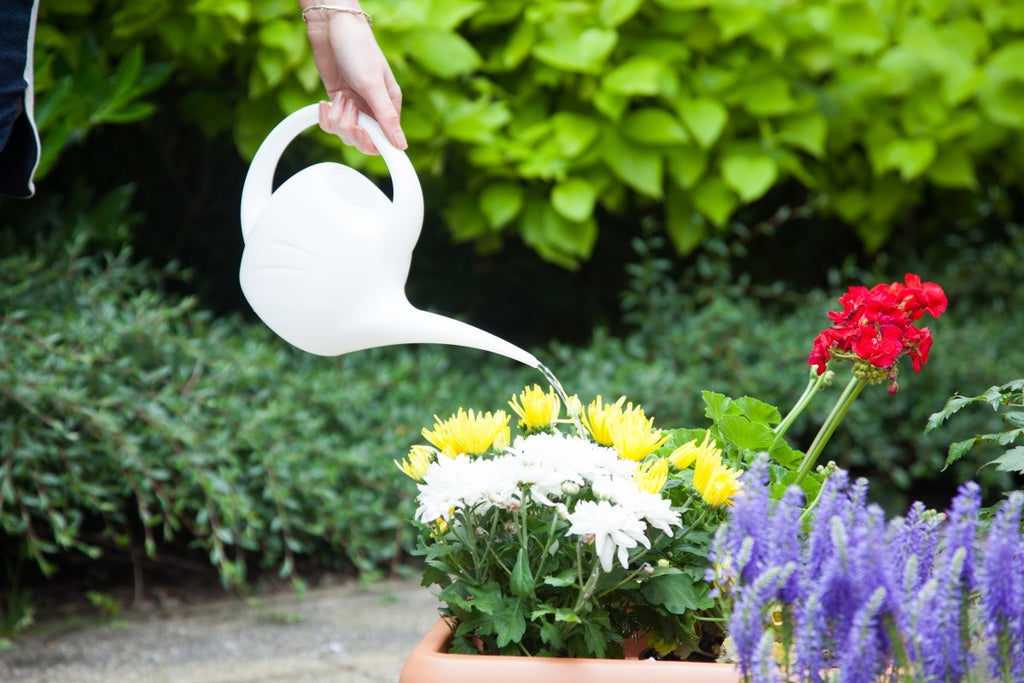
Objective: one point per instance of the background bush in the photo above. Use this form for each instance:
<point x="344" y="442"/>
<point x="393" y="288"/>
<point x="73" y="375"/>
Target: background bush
<point x="548" y="115"/>
<point x="135" y="425"/>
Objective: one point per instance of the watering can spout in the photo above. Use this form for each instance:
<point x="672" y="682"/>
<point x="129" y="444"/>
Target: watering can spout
<point x="327" y="254"/>
<point x="438" y="329"/>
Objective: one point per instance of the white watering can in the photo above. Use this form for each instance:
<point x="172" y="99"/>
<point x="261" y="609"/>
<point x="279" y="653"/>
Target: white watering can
<point x="327" y="254"/>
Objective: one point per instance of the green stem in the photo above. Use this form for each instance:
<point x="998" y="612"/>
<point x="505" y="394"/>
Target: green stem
<point x="814" y="384"/>
<point x="587" y="590"/>
<point x="849" y="395"/>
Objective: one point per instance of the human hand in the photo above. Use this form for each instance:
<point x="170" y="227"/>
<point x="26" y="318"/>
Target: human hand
<point x="356" y="75"/>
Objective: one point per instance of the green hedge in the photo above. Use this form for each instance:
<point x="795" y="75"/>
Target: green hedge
<point x="133" y="421"/>
<point x="546" y="114"/>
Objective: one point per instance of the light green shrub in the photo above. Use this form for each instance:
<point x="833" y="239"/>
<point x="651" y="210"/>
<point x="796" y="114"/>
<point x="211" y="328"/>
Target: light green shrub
<point x="532" y="117"/>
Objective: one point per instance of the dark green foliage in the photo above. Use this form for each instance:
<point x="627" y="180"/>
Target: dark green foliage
<point x="131" y="420"/>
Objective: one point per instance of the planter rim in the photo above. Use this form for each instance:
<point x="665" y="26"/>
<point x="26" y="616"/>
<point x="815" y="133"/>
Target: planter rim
<point x="430" y="662"/>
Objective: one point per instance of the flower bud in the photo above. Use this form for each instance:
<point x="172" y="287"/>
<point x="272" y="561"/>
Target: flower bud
<point x="570" y="488"/>
<point x="647" y="569"/>
<point x="510" y="527"/>
<point x="586" y="539"/>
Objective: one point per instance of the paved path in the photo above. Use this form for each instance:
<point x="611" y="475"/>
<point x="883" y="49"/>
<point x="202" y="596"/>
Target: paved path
<point x="348" y="634"/>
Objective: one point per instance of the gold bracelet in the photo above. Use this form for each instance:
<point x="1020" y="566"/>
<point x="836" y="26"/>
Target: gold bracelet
<point x="335" y="8"/>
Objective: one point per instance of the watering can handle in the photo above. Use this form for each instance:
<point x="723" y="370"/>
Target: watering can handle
<point x="259" y="181"/>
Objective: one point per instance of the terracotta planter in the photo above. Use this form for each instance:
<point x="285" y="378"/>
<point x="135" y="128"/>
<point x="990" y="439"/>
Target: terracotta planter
<point x="431" y="663"/>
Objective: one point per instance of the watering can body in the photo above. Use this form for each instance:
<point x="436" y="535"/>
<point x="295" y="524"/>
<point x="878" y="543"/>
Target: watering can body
<point x="327" y="254"/>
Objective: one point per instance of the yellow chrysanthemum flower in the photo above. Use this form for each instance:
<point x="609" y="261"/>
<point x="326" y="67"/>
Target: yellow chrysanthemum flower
<point x="715" y="482"/>
<point x="470" y="433"/>
<point x="598" y="418"/>
<point x="415" y="466"/>
<point x="684" y="456"/>
<point x="634" y="435"/>
<point x="535" y="408"/>
<point x="652" y="475"/>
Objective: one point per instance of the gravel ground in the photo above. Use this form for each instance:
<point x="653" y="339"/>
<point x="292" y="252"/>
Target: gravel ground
<point x="345" y="633"/>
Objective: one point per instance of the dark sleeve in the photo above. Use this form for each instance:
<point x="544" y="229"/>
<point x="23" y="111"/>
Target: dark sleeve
<point x="19" y="140"/>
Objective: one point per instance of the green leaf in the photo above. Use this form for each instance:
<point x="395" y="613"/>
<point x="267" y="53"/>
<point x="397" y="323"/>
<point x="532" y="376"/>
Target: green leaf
<point x="636" y="166"/>
<point x="806" y="132"/>
<point x="856" y="29"/>
<point x="705" y="117"/>
<point x="521" y="580"/>
<point x="715" y="199"/>
<point x="758" y="411"/>
<point x="740" y="431"/>
<point x="585" y="52"/>
<point x="767" y="96"/>
<point x="637" y="76"/>
<point x="574" y="133"/>
<point x="615" y="12"/>
<point x="566" y="577"/>
<point x="686" y="165"/>
<point x="510" y="622"/>
<point x="953" y="168"/>
<point x="716" y="406"/>
<point x="910" y="157"/>
<point x="449" y="14"/>
<point x="476" y="120"/>
<point x="736" y="19"/>
<point x="675" y="592"/>
<point x="957" y="450"/>
<point x="685" y="226"/>
<point x="953" y="406"/>
<point x="1011" y="461"/>
<point x="654" y="126"/>
<point x="1015" y="418"/>
<point x="574" y="199"/>
<point x="749" y="175"/>
<point x="501" y="202"/>
<point x="442" y="53"/>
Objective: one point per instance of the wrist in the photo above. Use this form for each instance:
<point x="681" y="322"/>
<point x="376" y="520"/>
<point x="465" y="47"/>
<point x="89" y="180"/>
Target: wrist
<point x="316" y="11"/>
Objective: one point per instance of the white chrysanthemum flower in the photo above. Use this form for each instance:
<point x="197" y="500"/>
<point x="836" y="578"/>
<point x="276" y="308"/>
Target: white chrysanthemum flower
<point x="551" y="460"/>
<point x="467" y="483"/>
<point x="614" y="528"/>
<point x="657" y="511"/>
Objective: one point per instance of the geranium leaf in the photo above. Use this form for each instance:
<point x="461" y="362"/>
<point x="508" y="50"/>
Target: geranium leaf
<point x="757" y="411"/>
<point x="716" y="405"/>
<point x="740" y="431"/>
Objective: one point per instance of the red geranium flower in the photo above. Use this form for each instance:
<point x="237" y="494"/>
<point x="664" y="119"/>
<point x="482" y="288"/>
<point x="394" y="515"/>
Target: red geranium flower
<point x="876" y="326"/>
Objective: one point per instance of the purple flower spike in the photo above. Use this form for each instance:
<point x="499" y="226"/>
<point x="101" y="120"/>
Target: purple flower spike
<point x="1001" y="582"/>
<point x="747" y="519"/>
<point x="941" y="651"/>
<point x="863" y="653"/>
<point x="811" y="637"/>
<point x="785" y="544"/>
<point x="747" y="623"/>
<point x="962" y="527"/>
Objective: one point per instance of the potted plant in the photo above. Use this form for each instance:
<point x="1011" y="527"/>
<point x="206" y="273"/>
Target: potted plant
<point x="587" y="539"/>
